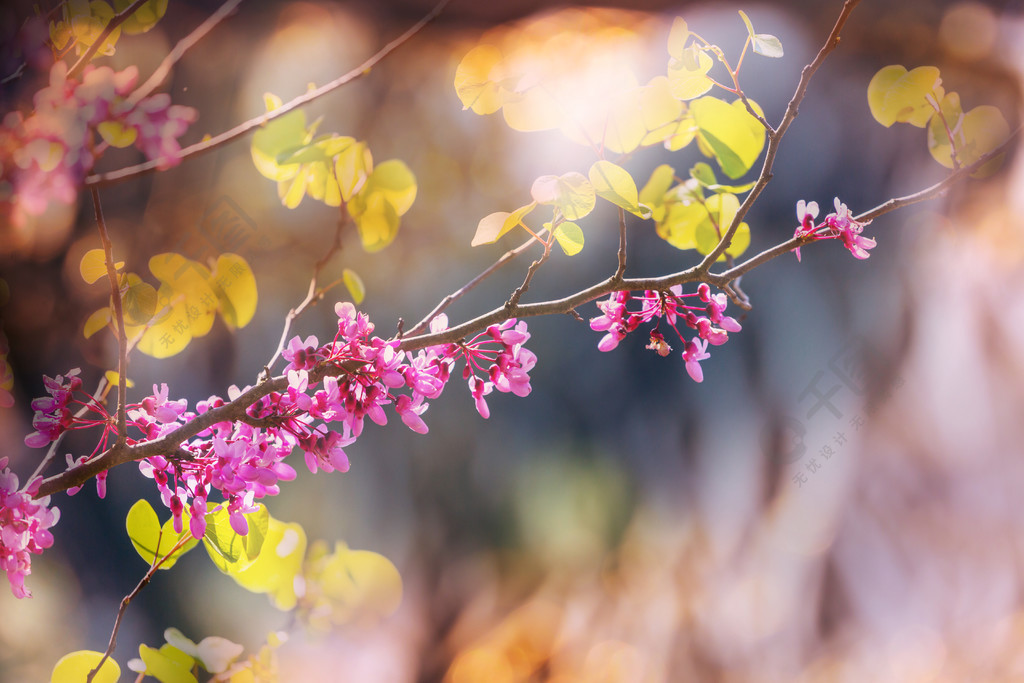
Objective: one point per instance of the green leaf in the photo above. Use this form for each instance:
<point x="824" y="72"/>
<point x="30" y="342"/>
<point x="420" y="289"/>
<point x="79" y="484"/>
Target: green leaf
<point x="734" y="137"/>
<point x="151" y="540"/>
<point x="355" y="285"/>
<point x="76" y="666"/>
<point x="571" y="193"/>
<point x="569" y="237"/>
<point x="897" y="95"/>
<point x="230" y="551"/>
<point x="702" y="173"/>
<point x="614" y="183"/>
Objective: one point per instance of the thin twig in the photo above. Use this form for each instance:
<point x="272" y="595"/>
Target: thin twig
<point x="143" y="582"/>
<point x="122" y="336"/>
<point x="253" y="123"/>
<point x="775" y="137"/>
<point x="422" y="325"/>
<point x="51" y="452"/>
<point x="114" y="22"/>
<point x="620" y="271"/>
<point x="180" y="49"/>
<point x="313" y="295"/>
<point x="927" y="193"/>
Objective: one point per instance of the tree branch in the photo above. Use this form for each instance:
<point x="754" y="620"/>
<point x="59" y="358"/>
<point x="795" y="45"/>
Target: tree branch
<point x="243" y="128"/>
<point x="180" y="49"/>
<point x="115" y="301"/>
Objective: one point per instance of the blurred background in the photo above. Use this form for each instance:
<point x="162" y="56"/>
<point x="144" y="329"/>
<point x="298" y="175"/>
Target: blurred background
<point x="836" y="501"/>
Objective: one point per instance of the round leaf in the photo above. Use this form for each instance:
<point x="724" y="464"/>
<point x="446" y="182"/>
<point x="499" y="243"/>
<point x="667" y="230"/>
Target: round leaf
<point x="234" y="285"/>
<point x="897" y="95"/>
<point x="75" y="668"/>
<point x="569" y="237"/>
<point x="355" y="285"/>
<point x="474" y="84"/>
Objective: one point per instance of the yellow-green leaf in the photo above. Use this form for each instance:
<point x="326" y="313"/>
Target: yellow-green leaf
<point x="571" y="193"/>
<point x="116" y="134"/>
<point x="279" y="561"/>
<point x="532" y="110"/>
<point x="153" y="541"/>
<point x="980" y="131"/>
<point x="376" y="220"/>
<point x="97" y="321"/>
<point x="395" y="182"/>
<point x="476" y="80"/>
<point x="280" y="136"/>
<point x="138" y="301"/>
<point x="897" y="95"/>
<point x="144" y="18"/>
<point x="679" y="227"/>
<point x="360" y="585"/>
<point x="230" y="551"/>
<point x="688" y="78"/>
<point x="653" y="193"/>
<point x="234" y="285"/>
<point x="76" y="666"/>
<point x="113" y="377"/>
<point x="355" y="285"/>
<point x="614" y="183"/>
<point x="168" y="664"/>
<point x="734" y="136"/>
<point x="353" y="166"/>
<point x="493" y="226"/>
<point x="677" y="37"/>
<point x="569" y="237"/>
<point x="187" y="284"/>
<point x="94" y="265"/>
<point x="169" y="331"/>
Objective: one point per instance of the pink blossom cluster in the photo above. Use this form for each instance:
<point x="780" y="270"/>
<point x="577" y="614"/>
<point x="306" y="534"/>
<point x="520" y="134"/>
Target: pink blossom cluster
<point x="25" y="524"/>
<point x="244" y="460"/>
<point x="45" y="155"/>
<point x="838" y="225"/>
<point x="709" y="320"/>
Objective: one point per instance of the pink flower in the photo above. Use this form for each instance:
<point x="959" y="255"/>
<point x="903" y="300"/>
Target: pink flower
<point x="849" y="231"/>
<point x="696" y="351"/>
<point x="24" y="527"/>
<point x="805" y="213"/>
<point x="841" y="225"/>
